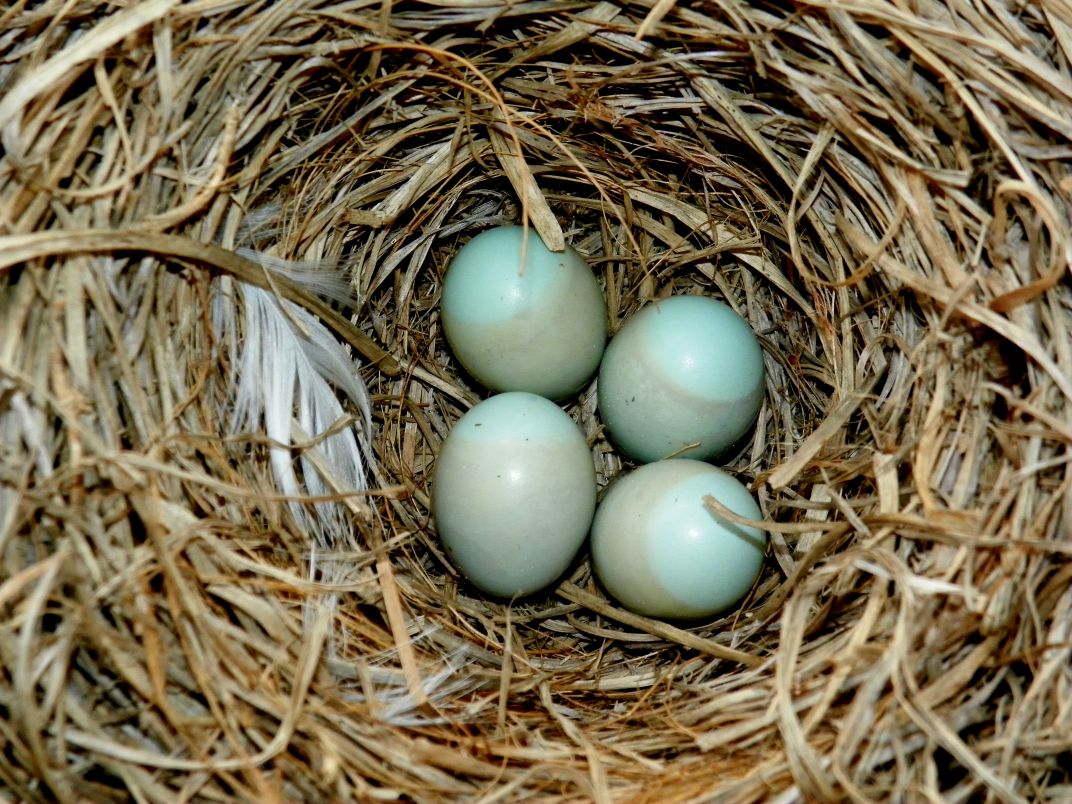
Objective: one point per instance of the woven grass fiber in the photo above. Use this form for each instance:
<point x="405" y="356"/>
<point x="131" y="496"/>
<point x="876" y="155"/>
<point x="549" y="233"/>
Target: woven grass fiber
<point x="223" y="230"/>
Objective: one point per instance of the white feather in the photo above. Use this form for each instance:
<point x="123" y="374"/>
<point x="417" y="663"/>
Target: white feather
<point x="319" y="278"/>
<point x="289" y="377"/>
<point x="292" y="381"/>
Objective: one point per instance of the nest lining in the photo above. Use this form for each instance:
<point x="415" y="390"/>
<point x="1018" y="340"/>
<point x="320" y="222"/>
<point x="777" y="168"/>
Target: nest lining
<point x="881" y="192"/>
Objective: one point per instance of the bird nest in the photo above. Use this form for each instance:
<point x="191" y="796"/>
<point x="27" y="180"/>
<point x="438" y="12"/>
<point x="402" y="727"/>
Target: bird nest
<point x="223" y="384"/>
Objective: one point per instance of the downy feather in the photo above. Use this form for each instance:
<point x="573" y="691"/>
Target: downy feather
<point x="287" y="374"/>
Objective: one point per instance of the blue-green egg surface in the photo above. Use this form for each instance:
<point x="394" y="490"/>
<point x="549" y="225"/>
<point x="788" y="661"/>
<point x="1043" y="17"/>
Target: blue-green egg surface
<point x="539" y="326"/>
<point x="513" y="493"/>
<point x="659" y="550"/>
<point x="683" y="377"/>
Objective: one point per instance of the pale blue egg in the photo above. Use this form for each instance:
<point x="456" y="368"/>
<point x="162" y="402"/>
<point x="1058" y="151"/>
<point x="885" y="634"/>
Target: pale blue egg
<point x="538" y="327"/>
<point x="660" y="552"/>
<point x="513" y="493"/>
<point x="684" y="377"/>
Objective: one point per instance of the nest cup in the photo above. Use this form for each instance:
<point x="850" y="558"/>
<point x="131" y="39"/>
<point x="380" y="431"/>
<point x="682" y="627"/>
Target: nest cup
<point x="202" y="204"/>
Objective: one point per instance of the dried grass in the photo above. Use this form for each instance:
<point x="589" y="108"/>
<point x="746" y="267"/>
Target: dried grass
<point x="881" y="187"/>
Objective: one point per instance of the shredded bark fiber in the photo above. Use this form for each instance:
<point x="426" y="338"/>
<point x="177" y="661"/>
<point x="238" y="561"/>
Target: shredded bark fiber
<point x="881" y="187"/>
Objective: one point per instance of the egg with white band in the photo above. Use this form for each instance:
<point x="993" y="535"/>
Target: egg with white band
<point x="684" y="377"/>
<point x="660" y="551"/>
<point x="513" y="493"/>
<point x="519" y="317"/>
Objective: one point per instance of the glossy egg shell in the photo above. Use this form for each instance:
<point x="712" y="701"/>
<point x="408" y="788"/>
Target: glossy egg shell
<point x="683" y="377"/>
<point x="659" y="551"/>
<point x="513" y="493"/>
<point x="539" y="328"/>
